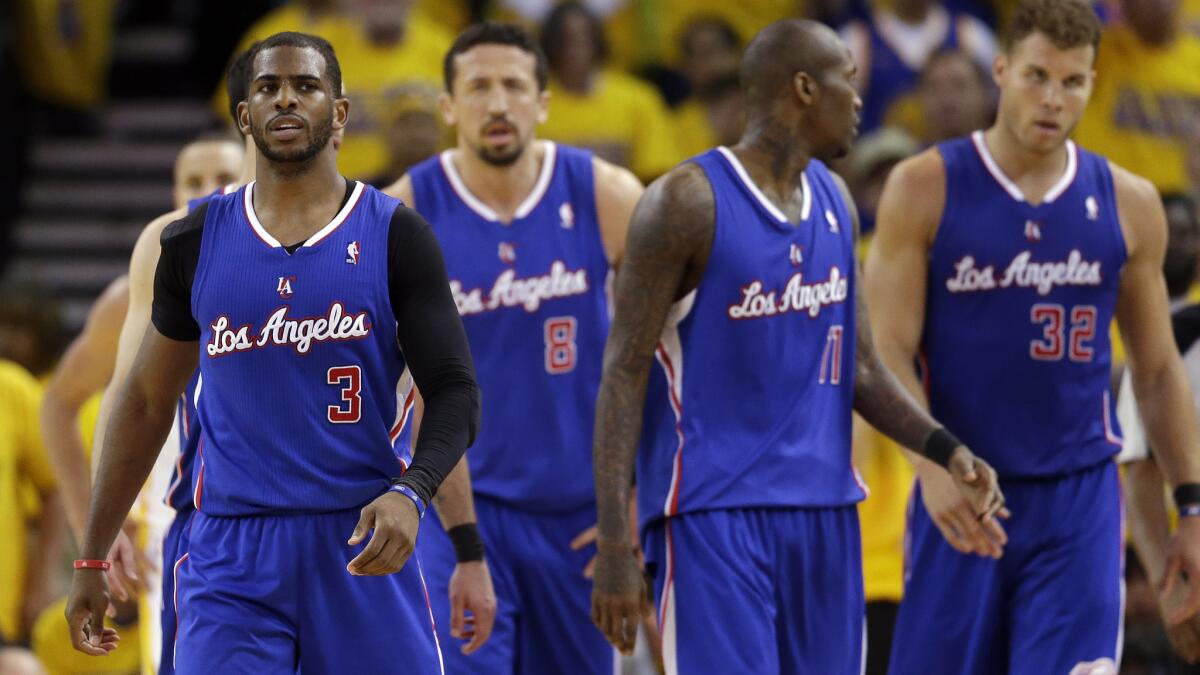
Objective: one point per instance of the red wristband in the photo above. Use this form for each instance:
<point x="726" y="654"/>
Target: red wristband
<point x="92" y="565"/>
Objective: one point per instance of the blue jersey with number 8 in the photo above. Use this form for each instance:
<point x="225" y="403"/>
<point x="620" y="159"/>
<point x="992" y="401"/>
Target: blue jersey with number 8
<point x="532" y="298"/>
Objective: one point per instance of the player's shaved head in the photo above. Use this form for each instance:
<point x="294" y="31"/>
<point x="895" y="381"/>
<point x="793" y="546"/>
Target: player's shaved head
<point x="779" y="52"/>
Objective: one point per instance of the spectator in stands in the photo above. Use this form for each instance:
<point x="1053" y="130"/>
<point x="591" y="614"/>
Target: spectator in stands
<point x="893" y="44"/>
<point x="867" y="166"/>
<point x="620" y="118"/>
<point x="955" y="95"/>
<point x="1144" y="112"/>
<point x="28" y="496"/>
<point x="31" y="327"/>
<point x="412" y="131"/>
<point x="713" y="113"/>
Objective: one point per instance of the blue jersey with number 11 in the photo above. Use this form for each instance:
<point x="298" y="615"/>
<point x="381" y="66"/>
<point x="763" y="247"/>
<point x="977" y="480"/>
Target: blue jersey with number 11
<point x="1020" y="298"/>
<point x="532" y="298"/>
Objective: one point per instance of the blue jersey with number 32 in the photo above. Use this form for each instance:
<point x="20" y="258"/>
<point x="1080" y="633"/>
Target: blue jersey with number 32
<point x="1019" y="302"/>
<point x="532" y="298"/>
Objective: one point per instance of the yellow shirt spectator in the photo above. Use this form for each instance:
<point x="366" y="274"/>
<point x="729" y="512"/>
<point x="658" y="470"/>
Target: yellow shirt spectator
<point x="64" y="47"/>
<point x="1144" y="107"/>
<point x="622" y="120"/>
<point x="22" y="460"/>
<point x="888" y="474"/>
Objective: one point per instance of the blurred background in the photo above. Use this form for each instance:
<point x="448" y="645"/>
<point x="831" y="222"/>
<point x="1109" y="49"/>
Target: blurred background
<point x="101" y="95"/>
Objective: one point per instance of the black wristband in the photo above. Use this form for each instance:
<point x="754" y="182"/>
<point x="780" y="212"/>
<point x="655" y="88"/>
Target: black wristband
<point x="1187" y="494"/>
<point x="939" y="446"/>
<point x="468" y="545"/>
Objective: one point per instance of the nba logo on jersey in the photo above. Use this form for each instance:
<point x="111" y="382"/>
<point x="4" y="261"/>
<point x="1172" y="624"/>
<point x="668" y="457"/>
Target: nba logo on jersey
<point x="508" y="252"/>
<point x="1093" y="210"/>
<point x="285" y="287"/>
<point x="352" y="253"/>
<point x="1033" y="231"/>
<point x="832" y="220"/>
<point x="566" y="216"/>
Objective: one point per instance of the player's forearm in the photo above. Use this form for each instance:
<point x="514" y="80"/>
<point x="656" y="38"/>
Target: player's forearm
<point x="60" y="421"/>
<point x="1165" y="404"/>
<point x="1149" y="527"/>
<point x="448" y="427"/>
<point x="135" y="434"/>
<point x="454" y="502"/>
<point x="886" y="404"/>
<point x="620" y="405"/>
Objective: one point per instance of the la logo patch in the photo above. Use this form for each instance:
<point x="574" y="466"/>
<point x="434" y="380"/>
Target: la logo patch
<point x="352" y="253"/>
<point x="796" y="255"/>
<point x="1033" y="231"/>
<point x="284" y="288"/>
<point x="507" y="253"/>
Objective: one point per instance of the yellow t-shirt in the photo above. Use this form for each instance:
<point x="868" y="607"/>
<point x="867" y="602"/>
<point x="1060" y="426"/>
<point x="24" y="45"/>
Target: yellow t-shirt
<point x="52" y="646"/>
<point x="693" y="132"/>
<point x="64" y="48"/>
<point x="888" y="474"/>
<point x="622" y="120"/>
<point x="22" y="462"/>
<point x="1142" y="111"/>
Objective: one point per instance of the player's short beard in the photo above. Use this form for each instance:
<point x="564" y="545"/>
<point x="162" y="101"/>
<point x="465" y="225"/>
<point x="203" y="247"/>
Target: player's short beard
<point x="507" y="158"/>
<point x="319" y="137"/>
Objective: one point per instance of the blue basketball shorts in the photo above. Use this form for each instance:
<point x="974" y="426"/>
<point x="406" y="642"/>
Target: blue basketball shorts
<point x="174" y="546"/>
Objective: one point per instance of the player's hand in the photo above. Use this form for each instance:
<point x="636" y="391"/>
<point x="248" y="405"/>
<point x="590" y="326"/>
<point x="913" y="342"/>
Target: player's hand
<point x="588" y="537"/>
<point x="395" y="520"/>
<point x="125" y="576"/>
<point x="1183" y="562"/>
<point x="1185" y="636"/>
<point x="618" y="594"/>
<point x="472" y="604"/>
<point x="86" y="605"/>
<point x="955" y="517"/>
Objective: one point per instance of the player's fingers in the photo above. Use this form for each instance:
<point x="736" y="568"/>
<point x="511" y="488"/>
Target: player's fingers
<point x="368" y="554"/>
<point x="366" y="519"/>
<point x="458" y="607"/>
<point x="1191" y="605"/>
<point x="946" y="526"/>
<point x="115" y="584"/>
<point x="1170" y="575"/>
<point x="590" y="568"/>
<point x="584" y="538"/>
<point x="383" y="563"/>
<point x="995" y="531"/>
<point x="126" y="557"/>
<point x="964" y="520"/>
<point x="629" y="623"/>
<point x="481" y="631"/>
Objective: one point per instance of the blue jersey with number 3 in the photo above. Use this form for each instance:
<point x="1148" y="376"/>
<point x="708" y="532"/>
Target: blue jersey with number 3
<point x="752" y="405"/>
<point x="1019" y="302"/>
<point x="304" y="393"/>
<point x="532" y="297"/>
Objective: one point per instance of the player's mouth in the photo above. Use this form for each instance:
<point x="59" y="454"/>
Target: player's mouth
<point x="500" y="133"/>
<point x="286" y="127"/>
<point x="1047" y="127"/>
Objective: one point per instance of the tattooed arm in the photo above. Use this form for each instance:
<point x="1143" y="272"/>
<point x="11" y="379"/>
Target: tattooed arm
<point x="670" y="238"/>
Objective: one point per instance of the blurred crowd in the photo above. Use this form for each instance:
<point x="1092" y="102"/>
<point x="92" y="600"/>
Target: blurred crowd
<point x="644" y="84"/>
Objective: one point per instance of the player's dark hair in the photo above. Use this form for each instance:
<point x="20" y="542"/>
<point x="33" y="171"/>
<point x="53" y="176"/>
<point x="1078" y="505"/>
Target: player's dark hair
<point x="1180" y="263"/>
<point x="978" y="71"/>
<point x="721" y="27"/>
<point x="553" y="35"/>
<point x="333" y="70"/>
<point x="237" y="80"/>
<point x="1067" y="23"/>
<point x="493" y="33"/>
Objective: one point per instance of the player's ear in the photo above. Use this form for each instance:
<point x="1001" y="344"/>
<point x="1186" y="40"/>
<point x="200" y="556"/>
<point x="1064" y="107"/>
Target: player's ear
<point x="543" y="106"/>
<point x="341" y="113"/>
<point x="446" y="105"/>
<point x="805" y="87"/>
<point x="243" y="115"/>
<point x="999" y="65"/>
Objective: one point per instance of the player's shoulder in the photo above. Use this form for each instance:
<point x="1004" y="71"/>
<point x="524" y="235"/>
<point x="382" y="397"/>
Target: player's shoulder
<point x="1130" y="188"/>
<point x="184" y="226"/>
<point x="613" y="179"/>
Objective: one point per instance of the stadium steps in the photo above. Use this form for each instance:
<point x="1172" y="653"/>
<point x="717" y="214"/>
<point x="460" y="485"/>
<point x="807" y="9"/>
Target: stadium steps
<point x="87" y="198"/>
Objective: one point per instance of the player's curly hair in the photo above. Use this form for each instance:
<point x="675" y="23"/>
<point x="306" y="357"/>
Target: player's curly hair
<point x="333" y="70"/>
<point x="1067" y="23"/>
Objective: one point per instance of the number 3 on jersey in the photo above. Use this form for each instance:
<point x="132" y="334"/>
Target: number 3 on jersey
<point x="1053" y="345"/>
<point x="560" y="344"/>
<point x="350" y="409"/>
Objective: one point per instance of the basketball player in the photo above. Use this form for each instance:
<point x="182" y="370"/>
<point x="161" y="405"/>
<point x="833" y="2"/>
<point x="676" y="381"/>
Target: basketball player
<point x="1000" y="261"/>
<point x="531" y="230"/>
<point x="310" y="350"/>
<point x="740" y="277"/>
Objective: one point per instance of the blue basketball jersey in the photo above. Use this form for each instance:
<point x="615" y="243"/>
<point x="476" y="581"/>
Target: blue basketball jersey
<point x="1019" y="301"/>
<point x="304" y="393"/>
<point x="532" y="297"/>
<point x="891" y="77"/>
<point x="753" y="405"/>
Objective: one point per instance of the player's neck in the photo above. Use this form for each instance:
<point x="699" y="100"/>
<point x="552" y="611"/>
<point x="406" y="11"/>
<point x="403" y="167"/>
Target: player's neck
<point x="774" y="158"/>
<point x="293" y="202"/>
<point x="1030" y="170"/>
<point x="502" y="188"/>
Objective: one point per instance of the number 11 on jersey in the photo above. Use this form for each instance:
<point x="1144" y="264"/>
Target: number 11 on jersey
<point x="831" y="358"/>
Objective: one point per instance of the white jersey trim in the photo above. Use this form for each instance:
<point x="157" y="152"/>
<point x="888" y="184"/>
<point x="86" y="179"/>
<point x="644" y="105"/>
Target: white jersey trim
<point x="1011" y="187"/>
<point x="806" y="206"/>
<point x="248" y="200"/>
<point x="527" y="205"/>
<point x="670" y="356"/>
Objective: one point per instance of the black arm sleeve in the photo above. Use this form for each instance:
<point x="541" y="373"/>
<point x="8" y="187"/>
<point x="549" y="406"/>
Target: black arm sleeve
<point x="435" y="347"/>
<point x="171" y="312"/>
